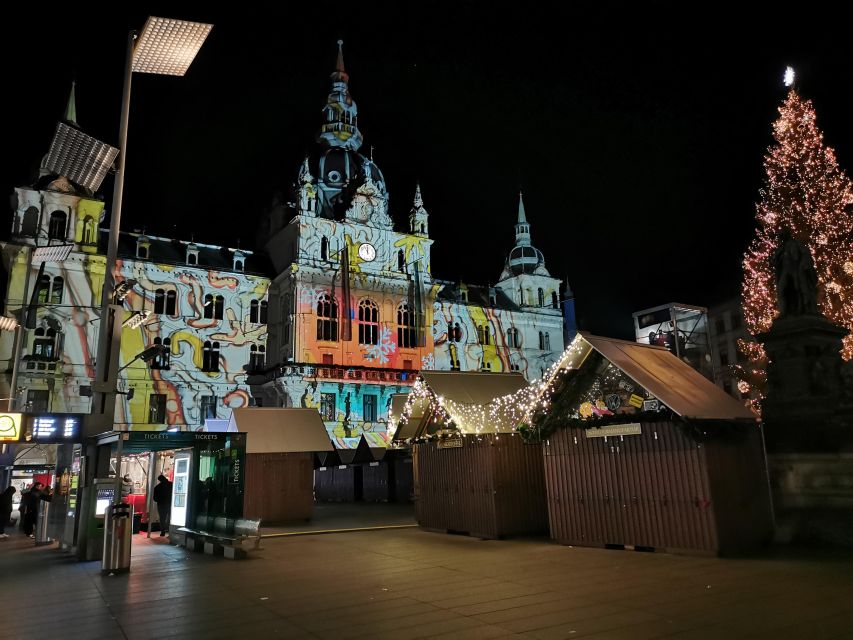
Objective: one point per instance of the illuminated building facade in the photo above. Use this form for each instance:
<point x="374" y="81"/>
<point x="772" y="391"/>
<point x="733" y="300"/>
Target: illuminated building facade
<point x="338" y="311"/>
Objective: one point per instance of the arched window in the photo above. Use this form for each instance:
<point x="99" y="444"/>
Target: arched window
<point x="327" y="318"/>
<point x="368" y="322"/>
<point x="406" y="330"/>
<point x="238" y="265"/>
<point x="512" y="337"/>
<point x="257" y="356"/>
<point x="218" y="307"/>
<point x="44" y="344"/>
<point x="263" y="311"/>
<point x="58" y="225"/>
<point x="56" y="290"/>
<point x="483" y="334"/>
<point x="422" y="228"/>
<point x="171" y="303"/>
<point x="163" y="360"/>
<point x="30" y="225"/>
<point x="555" y="301"/>
<point x="457" y="333"/>
<point x="401" y="261"/>
<point x="43" y="289"/>
<point x="541" y="297"/>
<point x="544" y="341"/>
<point x="324" y="248"/>
<point x="192" y="259"/>
<point x="451" y="335"/>
<point x="208" y="306"/>
<point x="160" y="301"/>
<point x="541" y="340"/>
<point x="253" y="312"/>
<point x="88" y="230"/>
<point x="210" y="357"/>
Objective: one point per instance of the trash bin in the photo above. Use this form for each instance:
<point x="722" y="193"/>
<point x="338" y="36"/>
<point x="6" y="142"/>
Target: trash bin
<point x="137" y="522"/>
<point x="41" y="535"/>
<point x="117" y="537"/>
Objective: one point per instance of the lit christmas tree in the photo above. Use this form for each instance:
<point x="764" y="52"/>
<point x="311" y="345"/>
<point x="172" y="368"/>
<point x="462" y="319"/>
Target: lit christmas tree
<point x="808" y="194"/>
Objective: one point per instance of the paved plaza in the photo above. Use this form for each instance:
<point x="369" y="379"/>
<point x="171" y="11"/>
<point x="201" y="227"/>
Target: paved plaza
<point x="406" y="583"/>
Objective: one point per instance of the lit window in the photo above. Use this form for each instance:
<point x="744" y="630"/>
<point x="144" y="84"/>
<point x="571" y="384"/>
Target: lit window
<point x="368" y="322"/>
<point x="406" y="330"/>
<point x="327" y="318"/>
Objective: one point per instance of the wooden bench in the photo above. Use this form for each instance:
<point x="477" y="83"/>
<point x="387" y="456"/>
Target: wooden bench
<point x="231" y="545"/>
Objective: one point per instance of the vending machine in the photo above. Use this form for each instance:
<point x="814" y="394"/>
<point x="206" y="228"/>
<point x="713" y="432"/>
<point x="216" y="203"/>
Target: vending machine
<point x="180" y="513"/>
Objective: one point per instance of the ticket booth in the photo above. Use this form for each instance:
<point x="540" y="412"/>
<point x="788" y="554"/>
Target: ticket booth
<point x="206" y="471"/>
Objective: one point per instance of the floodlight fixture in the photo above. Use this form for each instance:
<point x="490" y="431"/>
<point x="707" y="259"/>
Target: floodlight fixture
<point x="79" y="157"/>
<point x="52" y="253"/>
<point x="136" y="319"/>
<point x="167" y="46"/>
<point x="148" y="355"/>
<point x="122" y="289"/>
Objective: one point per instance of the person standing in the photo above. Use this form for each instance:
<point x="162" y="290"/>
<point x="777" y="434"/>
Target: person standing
<point x="6" y="510"/>
<point x="163" y="498"/>
<point x="30" y="502"/>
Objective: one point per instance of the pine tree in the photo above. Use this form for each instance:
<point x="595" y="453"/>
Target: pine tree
<point x="808" y="194"/>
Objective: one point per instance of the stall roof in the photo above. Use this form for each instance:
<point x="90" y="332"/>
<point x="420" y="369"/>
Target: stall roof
<point x="410" y="428"/>
<point x="473" y="387"/>
<point x="465" y="388"/>
<point x="281" y="430"/>
<point x="675" y="383"/>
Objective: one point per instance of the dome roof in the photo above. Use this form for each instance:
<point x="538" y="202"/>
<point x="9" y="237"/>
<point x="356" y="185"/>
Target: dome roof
<point x="525" y="259"/>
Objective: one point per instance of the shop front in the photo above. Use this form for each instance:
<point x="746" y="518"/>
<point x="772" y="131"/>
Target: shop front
<point x="206" y="471"/>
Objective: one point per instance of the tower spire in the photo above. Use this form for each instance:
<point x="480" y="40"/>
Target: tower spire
<point x="340" y="66"/>
<point x="418" y="216"/>
<point x="340" y="114"/>
<point x="71" y="108"/>
<point x="522" y="217"/>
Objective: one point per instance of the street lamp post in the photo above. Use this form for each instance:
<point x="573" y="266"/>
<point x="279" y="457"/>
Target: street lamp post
<point x="165" y="47"/>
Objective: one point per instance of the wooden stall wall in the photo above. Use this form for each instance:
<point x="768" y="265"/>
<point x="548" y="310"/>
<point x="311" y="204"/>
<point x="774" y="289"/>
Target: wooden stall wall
<point x="661" y="489"/>
<point x="279" y="487"/>
<point x="490" y="488"/>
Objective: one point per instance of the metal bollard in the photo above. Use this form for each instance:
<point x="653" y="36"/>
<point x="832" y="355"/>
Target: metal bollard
<point x="117" y="538"/>
<point x="41" y="533"/>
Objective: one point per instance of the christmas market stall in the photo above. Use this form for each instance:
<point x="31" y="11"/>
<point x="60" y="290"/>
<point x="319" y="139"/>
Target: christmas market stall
<point x="280" y="449"/>
<point x="339" y="478"/>
<point x="641" y="451"/>
<point x="473" y="473"/>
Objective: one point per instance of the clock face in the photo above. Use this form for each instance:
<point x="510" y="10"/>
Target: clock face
<point x="366" y="252"/>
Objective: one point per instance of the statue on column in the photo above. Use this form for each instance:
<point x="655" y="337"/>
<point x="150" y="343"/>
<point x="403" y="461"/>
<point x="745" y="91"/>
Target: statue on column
<point x="796" y="277"/>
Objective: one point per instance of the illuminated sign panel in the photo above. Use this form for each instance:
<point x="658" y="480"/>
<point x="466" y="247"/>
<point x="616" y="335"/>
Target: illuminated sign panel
<point x="55" y="427"/>
<point x="10" y="427"/>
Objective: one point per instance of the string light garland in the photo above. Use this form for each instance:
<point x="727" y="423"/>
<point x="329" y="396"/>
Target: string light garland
<point x="504" y="414"/>
<point x="809" y="195"/>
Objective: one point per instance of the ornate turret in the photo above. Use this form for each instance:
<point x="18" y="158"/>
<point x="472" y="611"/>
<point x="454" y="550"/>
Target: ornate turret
<point x="524" y="257"/>
<point x="418" y="216"/>
<point x="340" y="115"/>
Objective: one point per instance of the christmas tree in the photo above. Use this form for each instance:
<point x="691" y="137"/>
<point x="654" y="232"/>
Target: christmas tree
<point x="807" y="194"/>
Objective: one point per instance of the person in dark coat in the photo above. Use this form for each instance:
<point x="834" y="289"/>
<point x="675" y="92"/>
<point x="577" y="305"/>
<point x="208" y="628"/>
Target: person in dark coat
<point x="30" y="502"/>
<point x="163" y="498"/>
<point x="6" y="509"/>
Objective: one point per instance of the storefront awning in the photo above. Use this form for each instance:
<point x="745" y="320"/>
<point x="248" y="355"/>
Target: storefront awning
<point x="281" y="430"/>
<point x="675" y="383"/>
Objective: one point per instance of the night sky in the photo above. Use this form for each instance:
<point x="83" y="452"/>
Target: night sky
<point x="637" y="135"/>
